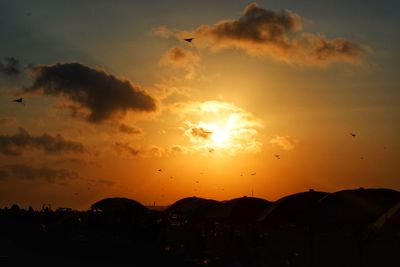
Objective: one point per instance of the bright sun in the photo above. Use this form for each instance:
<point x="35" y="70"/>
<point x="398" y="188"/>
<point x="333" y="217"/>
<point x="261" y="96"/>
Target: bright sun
<point x="222" y="127"/>
<point x="219" y="136"/>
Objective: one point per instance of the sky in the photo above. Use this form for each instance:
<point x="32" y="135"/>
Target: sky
<point x="262" y="101"/>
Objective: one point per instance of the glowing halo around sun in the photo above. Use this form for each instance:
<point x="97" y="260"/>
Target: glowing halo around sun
<point x="221" y="127"/>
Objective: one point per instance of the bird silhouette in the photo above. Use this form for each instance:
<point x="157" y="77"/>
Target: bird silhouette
<point x="19" y="100"/>
<point x="189" y="40"/>
<point x="160" y="170"/>
<point x="278" y="156"/>
<point x="353" y="134"/>
<point x="253" y="173"/>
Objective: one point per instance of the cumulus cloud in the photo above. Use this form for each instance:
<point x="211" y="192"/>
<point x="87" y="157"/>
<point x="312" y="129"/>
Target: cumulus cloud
<point x="120" y="146"/>
<point x="284" y="142"/>
<point x="15" y="145"/>
<point x="10" y="66"/>
<point x="276" y="34"/>
<point x="25" y="172"/>
<point x="103" y="95"/>
<point x="182" y="58"/>
<point x="123" y="128"/>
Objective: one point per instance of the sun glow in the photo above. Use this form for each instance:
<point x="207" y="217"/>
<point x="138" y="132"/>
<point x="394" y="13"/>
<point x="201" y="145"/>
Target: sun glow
<point x="223" y="127"/>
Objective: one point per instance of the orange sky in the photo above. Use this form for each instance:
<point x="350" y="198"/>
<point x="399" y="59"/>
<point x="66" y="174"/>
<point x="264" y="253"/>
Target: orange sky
<point x="109" y="104"/>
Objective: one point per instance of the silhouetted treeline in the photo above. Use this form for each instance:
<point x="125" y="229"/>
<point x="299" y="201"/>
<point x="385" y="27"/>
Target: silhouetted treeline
<point x="358" y="227"/>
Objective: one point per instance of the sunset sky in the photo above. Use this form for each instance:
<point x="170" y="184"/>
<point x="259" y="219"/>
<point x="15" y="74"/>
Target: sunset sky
<point x="264" y="98"/>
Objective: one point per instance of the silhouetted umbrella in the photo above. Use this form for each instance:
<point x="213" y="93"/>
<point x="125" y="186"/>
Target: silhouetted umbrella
<point x="121" y="208"/>
<point x="355" y="208"/>
<point x="298" y="209"/>
<point x="192" y="207"/>
<point x="389" y="221"/>
<point x="240" y="210"/>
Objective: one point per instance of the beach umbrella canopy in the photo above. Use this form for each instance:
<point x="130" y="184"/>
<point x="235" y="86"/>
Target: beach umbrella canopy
<point x="239" y="210"/>
<point x="355" y="207"/>
<point x="120" y="206"/>
<point x="192" y="207"/>
<point x="298" y="209"/>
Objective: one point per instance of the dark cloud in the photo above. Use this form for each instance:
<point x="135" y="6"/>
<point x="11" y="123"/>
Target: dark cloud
<point x="4" y="175"/>
<point x="126" y="147"/>
<point x="129" y="129"/>
<point x="25" y="172"/>
<point x="200" y="132"/>
<point x="4" y="120"/>
<point x="278" y="34"/>
<point x="10" y="66"/>
<point x="103" y="94"/>
<point x="103" y="182"/>
<point x="14" y="145"/>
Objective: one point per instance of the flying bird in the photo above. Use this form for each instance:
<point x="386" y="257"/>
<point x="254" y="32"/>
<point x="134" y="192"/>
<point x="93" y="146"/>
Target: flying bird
<point x="189" y="40"/>
<point x="353" y="134"/>
<point x="278" y="156"/>
<point x="160" y="170"/>
<point x="253" y="173"/>
<point x="19" y="100"/>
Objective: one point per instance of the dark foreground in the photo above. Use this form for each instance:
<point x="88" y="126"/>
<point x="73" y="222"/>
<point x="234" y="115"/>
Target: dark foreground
<point x="346" y="228"/>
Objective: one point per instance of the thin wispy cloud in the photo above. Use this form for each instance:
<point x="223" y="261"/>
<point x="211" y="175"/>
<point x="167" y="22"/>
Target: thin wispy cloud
<point x="124" y="128"/>
<point x="284" y="142"/>
<point x="17" y="144"/>
<point x="30" y="173"/>
<point x="179" y="57"/>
